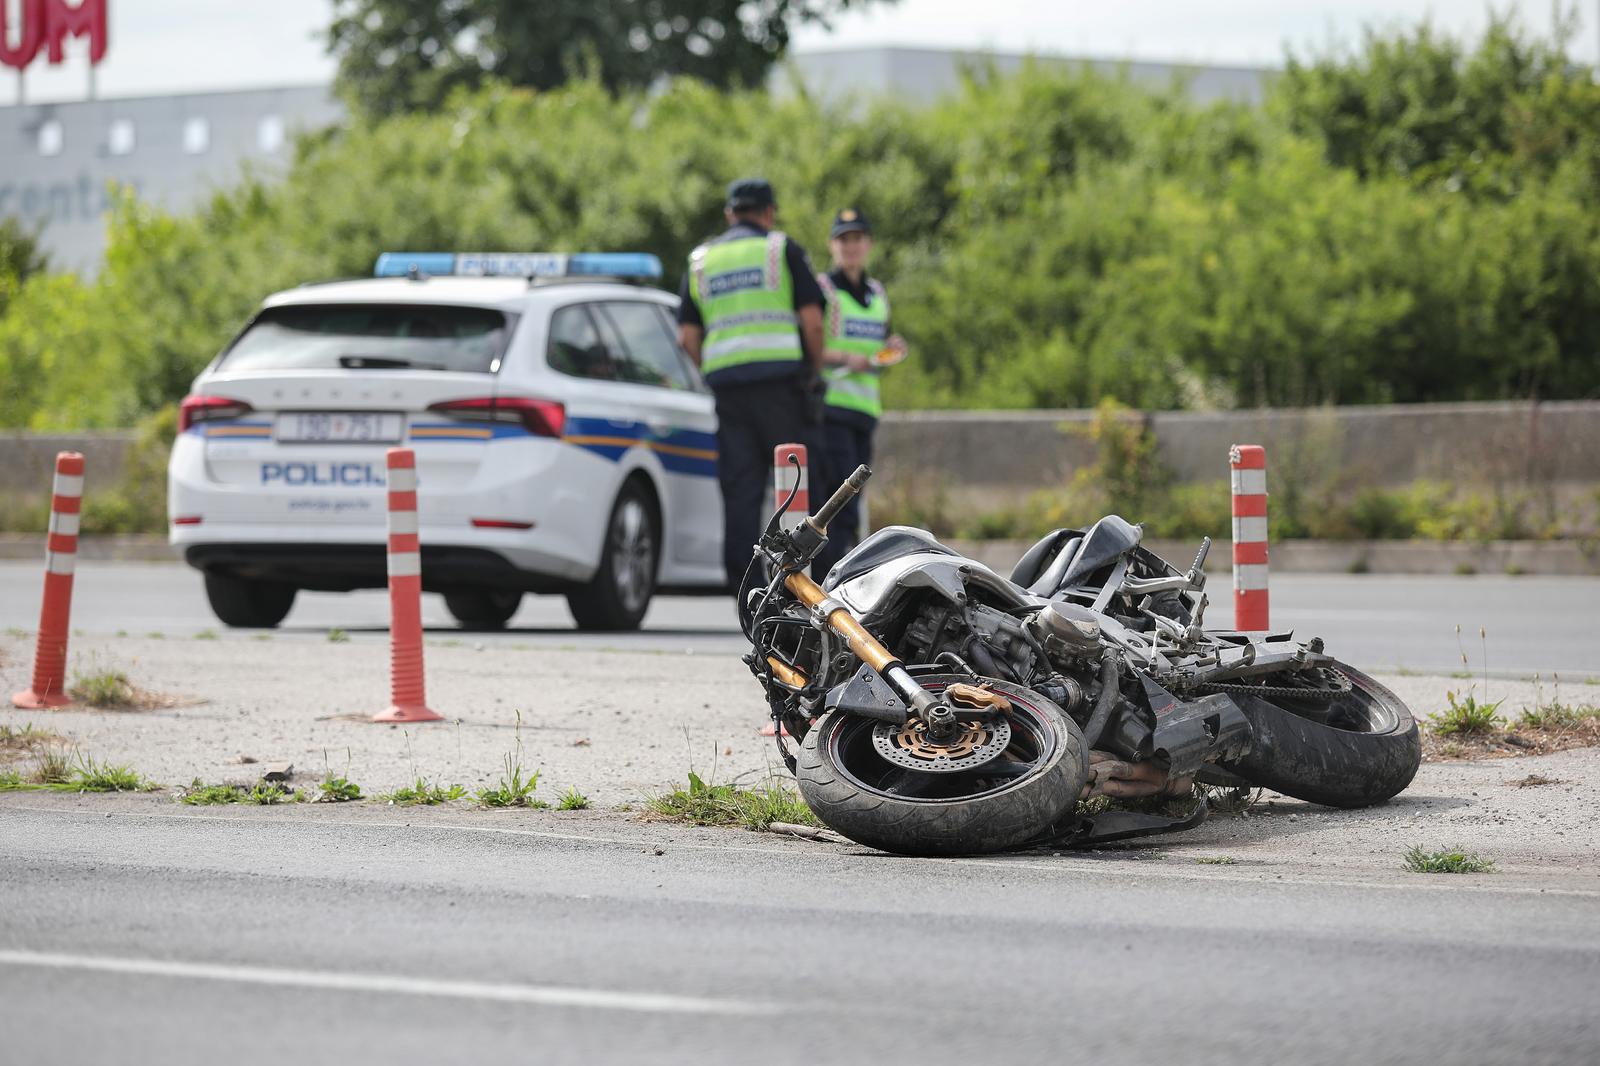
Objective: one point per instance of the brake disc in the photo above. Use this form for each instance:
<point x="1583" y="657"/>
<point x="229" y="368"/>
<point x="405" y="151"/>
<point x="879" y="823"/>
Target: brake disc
<point x="909" y="746"/>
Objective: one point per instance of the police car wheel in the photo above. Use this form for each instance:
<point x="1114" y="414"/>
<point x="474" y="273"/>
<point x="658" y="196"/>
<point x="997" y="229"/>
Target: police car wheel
<point x="618" y="595"/>
<point x="482" y="610"/>
<point x="248" y="604"/>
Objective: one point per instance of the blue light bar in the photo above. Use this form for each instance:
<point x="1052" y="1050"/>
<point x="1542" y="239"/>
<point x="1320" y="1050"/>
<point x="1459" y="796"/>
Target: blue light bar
<point x="518" y="265"/>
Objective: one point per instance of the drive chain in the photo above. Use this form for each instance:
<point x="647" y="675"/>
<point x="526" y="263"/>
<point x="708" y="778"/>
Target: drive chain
<point x="1333" y="685"/>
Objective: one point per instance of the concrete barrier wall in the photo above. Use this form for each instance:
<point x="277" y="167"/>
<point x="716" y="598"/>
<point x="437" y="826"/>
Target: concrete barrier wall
<point x="986" y="458"/>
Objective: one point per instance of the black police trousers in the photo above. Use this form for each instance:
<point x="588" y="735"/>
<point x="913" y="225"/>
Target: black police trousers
<point x="849" y="445"/>
<point x="752" y="420"/>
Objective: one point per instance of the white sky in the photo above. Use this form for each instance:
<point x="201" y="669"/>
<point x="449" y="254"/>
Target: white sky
<point x="163" y="46"/>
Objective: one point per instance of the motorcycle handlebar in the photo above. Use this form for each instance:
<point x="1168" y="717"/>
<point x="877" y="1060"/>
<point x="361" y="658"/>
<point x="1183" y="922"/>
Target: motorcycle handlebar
<point x="853" y="484"/>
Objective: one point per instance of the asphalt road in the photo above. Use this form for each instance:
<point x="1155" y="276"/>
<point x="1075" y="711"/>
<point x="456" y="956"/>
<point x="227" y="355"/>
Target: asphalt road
<point x="129" y="928"/>
<point x="1545" y="625"/>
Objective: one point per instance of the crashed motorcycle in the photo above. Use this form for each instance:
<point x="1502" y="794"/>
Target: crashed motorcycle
<point x="929" y="706"/>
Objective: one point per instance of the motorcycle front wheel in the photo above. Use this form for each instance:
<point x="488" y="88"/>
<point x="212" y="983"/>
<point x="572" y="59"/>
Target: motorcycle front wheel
<point x="1345" y="743"/>
<point x="1005" y="802"/>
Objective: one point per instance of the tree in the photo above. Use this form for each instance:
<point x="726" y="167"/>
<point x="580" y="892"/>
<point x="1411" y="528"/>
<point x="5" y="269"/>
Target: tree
<point x="20" y="256"/>
<point x="400" y="55"/>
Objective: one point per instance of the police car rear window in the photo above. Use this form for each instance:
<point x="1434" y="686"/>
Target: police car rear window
<point x="373" y="337"/>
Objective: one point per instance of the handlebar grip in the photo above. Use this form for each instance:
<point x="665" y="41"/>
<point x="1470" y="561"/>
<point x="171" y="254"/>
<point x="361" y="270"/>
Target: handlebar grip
<point x="852" y="485"/>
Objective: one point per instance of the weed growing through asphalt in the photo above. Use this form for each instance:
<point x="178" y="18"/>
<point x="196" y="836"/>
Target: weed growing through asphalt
<point x="336" y="788"/>
<point x="16" y="634"/>
<point x="261" y="794"/>
<point x="57" y="771"/>
<point x="516" y="787"/>
<point x="338" y="636"/>
<point x="156" y="635"/>
<point x="423" y="793"/>
<point x="705" y="804"/>
<point x="206" y="634"/>
<point x="27" y="738"/>
<point x="1466" y="715"/>
<point x="1225" y="800"/>
<point x="573" y="800"/>
<point x="1216" y="860"/>
<point x="55" y="767"/>
<point x="1448" y="861"/>
<point x="106" y="689"/>
<point x="93" y="776"/>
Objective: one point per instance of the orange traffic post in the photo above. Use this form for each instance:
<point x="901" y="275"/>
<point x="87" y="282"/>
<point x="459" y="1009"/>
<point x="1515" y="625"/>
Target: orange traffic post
<point x="55" y="613"/>
<point x="1248" y="463"/>
<point x="783" y="475"/>
<point x="408" y="700"/>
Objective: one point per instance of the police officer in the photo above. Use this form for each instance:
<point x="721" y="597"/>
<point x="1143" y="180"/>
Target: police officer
<point x="855" y="329"/>
<point x="751" y="318"/>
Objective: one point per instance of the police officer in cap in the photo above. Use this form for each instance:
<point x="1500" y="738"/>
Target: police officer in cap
<point x="855" y="331"/>
<point x="751" y="318"/>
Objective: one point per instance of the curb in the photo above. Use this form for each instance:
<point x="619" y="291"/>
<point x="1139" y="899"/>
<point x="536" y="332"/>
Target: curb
<point x="1551" y="557"/>
<point x="97" y="547"/>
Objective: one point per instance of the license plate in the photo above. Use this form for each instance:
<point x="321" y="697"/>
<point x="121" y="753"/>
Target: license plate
<point x="339" y="427"/>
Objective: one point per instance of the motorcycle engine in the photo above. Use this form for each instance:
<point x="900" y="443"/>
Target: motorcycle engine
<point x="1069" y="633"/>
<point x="977" y="633"/>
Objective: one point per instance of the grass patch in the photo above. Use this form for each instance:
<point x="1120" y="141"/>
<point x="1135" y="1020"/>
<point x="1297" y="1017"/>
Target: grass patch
<point x="338" y="636"/>
<point x="1448" y="861"/>
<point x="704" y="804"/>
<point x="261" y="794"/>
<point x="106" y="689"/>
<point x="422" y="793"/>
<point x="1217" y="860"/>
<point x="1466" y="715"/>
<point x="54" y="768"/>
<point x="1224" y="800"/>
<point x="337" y="790"/>
<point x="93" y="776"/>
<point x="573" y="800"/>
<point x="11" y="781"/>
<point x="26" y="739"/>
<point x="206" y="634"/>
<point x="1558" y="716"/>
<point x="515" y="788"/>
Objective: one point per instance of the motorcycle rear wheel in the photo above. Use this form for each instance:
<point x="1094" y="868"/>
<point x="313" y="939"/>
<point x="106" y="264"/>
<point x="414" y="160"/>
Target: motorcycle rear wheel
<point x="1366" y="751"/>
<point x="855" y="792"/>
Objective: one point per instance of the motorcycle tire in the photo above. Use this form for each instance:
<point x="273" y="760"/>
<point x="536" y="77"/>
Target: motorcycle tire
<point x="1323" y="763"/>
<point x="836" y="768"/>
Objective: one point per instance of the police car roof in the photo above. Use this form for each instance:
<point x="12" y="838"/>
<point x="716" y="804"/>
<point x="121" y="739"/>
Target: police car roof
<point x="470" y="291"/>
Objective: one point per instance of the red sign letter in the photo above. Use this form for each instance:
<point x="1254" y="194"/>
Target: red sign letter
<point x="30" y="34"/>
<point x="88" y="18"/>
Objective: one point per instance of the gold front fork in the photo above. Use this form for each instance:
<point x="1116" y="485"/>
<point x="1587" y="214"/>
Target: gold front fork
<point x="842" y="622"/>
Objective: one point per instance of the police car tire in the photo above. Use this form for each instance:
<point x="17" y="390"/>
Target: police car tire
<point x="597" y="605"/>
<point x="247" y="604"/>
<point x="482" y="610"/>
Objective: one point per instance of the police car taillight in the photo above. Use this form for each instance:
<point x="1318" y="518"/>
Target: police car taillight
<point x="542" y="418"/>
<point x="195" y="409"/>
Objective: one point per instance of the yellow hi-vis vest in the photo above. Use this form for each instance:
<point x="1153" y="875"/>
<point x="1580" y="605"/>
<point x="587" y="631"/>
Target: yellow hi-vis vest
<point x="746" y="297"/>
<point x="849" y="327"/>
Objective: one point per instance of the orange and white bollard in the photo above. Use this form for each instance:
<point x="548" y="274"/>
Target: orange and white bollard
<point x="55" y="613"/>
<point x="783" y="475"/>
<point x="1249" y="475"/>
<point x="409" y="702"/>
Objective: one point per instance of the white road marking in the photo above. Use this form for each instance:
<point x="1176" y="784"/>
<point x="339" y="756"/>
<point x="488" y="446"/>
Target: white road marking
<point x="387" y="984"/>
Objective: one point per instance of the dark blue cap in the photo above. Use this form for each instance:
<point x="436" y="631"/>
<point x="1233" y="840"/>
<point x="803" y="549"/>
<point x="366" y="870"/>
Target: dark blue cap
<point x="850" y="220"/>
<point x="750" y="194"/>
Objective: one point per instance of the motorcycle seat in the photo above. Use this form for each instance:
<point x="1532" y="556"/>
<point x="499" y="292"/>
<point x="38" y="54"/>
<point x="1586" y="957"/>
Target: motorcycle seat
<point x="1049" y="558"/>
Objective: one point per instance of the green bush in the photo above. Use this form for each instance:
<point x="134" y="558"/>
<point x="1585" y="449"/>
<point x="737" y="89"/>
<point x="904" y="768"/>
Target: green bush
<point x="1410" y="220"/>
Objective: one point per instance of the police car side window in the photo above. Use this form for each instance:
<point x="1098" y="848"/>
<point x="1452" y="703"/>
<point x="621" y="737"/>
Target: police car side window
<point x="650" y="355"/>
<point x="575" y="345"/>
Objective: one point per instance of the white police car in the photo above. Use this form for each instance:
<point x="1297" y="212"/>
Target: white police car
<point x="564" y="442"/>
